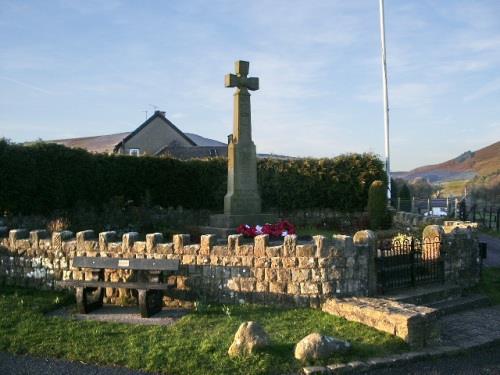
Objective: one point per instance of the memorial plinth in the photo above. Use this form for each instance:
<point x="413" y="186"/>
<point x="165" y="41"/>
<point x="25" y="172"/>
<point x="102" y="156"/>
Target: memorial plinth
<point x="242" y="203"/>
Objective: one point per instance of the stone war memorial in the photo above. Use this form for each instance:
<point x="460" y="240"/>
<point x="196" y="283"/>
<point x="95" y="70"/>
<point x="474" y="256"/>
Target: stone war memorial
<point x="402" y="281"/>
<point x="242" y="203"/>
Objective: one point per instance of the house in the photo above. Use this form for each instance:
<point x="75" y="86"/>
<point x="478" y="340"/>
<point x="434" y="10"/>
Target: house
<point x="157" y="136"/>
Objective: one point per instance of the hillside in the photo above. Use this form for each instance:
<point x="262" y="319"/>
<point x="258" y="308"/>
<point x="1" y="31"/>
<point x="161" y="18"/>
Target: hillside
<point x="483" y="162"/>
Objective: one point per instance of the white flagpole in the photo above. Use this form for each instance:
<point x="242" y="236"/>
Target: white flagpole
<point x="386" y="100"/>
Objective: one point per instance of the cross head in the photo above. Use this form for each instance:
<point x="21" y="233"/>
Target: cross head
<point x="240" y="79"/>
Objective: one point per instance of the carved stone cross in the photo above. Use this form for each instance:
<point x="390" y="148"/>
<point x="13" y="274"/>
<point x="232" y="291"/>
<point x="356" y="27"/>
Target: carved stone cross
<point x="242" y="192"/>
<point x="240" y="79"/>
<point x="242" y="203"/>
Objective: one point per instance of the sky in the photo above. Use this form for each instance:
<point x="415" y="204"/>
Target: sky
<point x="74" y="68"/>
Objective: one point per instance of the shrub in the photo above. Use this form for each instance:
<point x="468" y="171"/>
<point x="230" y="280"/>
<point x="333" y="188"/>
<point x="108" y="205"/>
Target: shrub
<point x="43" y="177"/>
<point x="377" y="205"/>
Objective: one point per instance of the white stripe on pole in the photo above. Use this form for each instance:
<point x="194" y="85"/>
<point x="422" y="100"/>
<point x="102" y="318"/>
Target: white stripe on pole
<point x="386" y="100"/>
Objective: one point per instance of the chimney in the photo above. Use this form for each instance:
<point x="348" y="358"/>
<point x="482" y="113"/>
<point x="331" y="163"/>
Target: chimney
<point x="161" y="113"/>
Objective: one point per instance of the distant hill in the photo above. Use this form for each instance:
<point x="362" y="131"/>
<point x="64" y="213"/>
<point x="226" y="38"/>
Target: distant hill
<point x="470" y="164"/>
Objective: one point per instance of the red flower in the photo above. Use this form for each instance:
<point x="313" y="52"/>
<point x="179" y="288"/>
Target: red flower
<point x="276" y="230"/>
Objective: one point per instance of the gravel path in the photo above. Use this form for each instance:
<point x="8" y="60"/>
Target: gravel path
<point x="493" y="259"/>
<point x="11" y="364"/>
<point x="121" y="314"/>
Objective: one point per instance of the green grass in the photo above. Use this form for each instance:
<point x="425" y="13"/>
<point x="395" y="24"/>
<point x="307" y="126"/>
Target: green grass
<point x="490" y="232"/>
<point x="490" y="284"/>
<point x="313" y="231"/>
<point x="196" y="344"/>
<point x="453" y="188"/>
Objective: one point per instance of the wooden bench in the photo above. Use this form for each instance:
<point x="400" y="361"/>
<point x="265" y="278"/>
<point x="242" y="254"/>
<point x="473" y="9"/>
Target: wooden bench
<point x="90" y="293"/>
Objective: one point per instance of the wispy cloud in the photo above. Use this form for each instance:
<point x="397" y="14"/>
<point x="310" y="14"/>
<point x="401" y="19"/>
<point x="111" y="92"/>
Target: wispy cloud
<point x="97" y="64"/>
<point x="27" y="85"/>
<point x="87" y="7"/>
<point x="484" y="90"/>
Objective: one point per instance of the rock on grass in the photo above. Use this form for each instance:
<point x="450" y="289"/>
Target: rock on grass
<point x="249" y="338"/>
<point x="316" y="346"/>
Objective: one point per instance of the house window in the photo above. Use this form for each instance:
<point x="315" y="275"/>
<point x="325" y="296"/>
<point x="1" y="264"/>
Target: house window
<point x="134" y="151"/>
<point x="213" y="152"/>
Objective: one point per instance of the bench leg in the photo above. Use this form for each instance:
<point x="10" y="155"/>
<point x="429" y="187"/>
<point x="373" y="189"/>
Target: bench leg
<point x="88" y="299"/>
<point x="150" y="302"/>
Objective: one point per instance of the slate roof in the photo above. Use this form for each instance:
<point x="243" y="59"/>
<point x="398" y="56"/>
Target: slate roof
<point x="110" y="143"/>
<point x="107" y="143"/>
<point x="99" y="144"/>
<point x="202" y="141"/>
<point x="157" y="114"/>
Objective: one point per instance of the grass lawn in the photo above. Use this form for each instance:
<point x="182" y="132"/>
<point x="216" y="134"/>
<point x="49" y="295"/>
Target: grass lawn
<point x="313" y="231"/>
<point x="490" y="232"/>
<point x="453" y="188"/>
<point x="196" y="344"/>
<point x="490" y="284"/>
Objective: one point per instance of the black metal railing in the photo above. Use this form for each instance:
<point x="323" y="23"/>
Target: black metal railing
<point x="408" y="262"/>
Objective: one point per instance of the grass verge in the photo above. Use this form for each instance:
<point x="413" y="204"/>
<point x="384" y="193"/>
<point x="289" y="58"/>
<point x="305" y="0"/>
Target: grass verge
<point x="490" y="232"/>
<point x="490" y="284"/>
<point x="196" y="344"/>
<point x="314" y="231"/>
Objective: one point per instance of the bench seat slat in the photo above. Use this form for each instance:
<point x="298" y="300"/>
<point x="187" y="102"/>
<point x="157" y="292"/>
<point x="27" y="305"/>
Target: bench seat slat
<point x="126" y="263"/>
<point x="110" y="284"/>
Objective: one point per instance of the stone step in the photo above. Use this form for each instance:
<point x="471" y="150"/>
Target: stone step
<point x="417" y="325"/>
<point x="424" y="295"/>
<point x="455" y="305"/>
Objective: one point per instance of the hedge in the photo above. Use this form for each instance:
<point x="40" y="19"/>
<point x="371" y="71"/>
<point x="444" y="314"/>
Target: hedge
<point x="42" y="177"/>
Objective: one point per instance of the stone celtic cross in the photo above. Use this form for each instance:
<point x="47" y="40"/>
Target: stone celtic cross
<point x="242" y="192"/>
<point x="240" y="79"/>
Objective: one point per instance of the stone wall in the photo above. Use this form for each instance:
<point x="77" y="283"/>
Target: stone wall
<point x="303" y="273"/>
<point x="413" y="220"/>
<point x="232" y="270"/>
<point x="461" y="253"/>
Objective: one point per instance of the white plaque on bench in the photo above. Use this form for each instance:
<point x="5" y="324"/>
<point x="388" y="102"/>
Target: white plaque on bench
<point x="123" y="263"/>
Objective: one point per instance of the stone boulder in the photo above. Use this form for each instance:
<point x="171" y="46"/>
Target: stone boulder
<point x="316" y="346"/>
<point x="249" y="338"/>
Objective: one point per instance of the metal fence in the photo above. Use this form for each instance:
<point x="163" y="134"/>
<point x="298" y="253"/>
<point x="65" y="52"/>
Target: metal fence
<point x="410" y="262"/>
<point x="486" y="215"/>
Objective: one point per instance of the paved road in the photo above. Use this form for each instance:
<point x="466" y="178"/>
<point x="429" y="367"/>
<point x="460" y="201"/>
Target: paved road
<point x="26" y="365"/>
<point x="483" y="361"/>
<point x="493" y="259"/>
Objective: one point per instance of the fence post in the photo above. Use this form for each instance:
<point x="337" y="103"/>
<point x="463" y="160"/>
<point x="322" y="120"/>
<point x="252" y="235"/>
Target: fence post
<point x="412" y="261"/>
<point x="498" y="219"/>
<point x="428" y="205"/>
<point x="457" y="213"/>
<point x="491" y="214"/>
<point x="399" y="203"/>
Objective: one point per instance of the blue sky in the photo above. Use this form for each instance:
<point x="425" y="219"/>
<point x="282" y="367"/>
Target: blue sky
<point x="73" y="68"/>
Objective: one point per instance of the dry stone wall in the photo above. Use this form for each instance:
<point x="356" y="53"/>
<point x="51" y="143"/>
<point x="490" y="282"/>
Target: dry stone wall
<point x="413" y="220"/>
<point x="289" y="271"/>
<point x="232" y="270"/>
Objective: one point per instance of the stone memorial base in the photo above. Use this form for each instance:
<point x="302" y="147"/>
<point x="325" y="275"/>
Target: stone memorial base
<point x="223" y="225"/>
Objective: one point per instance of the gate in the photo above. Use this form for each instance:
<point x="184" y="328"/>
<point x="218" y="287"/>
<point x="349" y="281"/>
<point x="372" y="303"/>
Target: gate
<point x="404" y="263"/>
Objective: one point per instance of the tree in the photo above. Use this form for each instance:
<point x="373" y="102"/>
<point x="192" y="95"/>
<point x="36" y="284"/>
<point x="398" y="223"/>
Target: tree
<point x="421" y="188"/>
<point x="405" y="199"/>
<point x="394" y="193"/>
